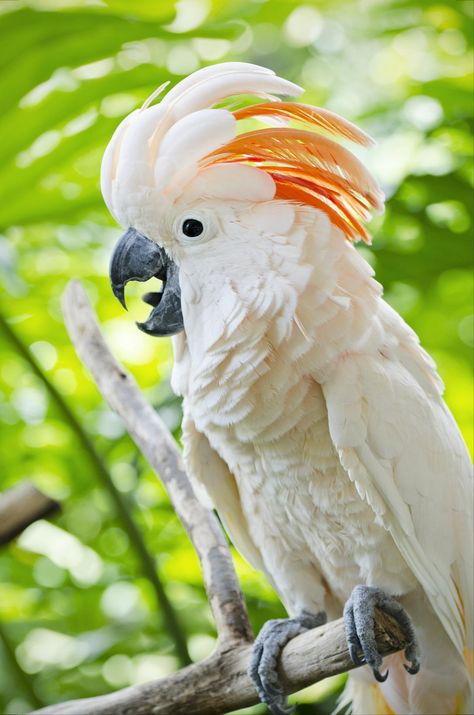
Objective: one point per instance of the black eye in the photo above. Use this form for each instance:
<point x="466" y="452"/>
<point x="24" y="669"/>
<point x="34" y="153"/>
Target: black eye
<point x="192" y="227"/>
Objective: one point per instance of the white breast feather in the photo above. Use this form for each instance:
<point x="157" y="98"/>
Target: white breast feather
<point x="393" y="436"/>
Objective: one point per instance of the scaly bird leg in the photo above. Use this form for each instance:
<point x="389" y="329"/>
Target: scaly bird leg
<point x="359" y="624"/>
<point x="268" y="645"/>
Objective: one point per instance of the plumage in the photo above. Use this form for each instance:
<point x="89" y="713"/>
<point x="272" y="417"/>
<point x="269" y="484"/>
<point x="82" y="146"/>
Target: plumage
<point x="309" y="168"/>
<point x="313" y="419"/>
<point x="316" y="116"/>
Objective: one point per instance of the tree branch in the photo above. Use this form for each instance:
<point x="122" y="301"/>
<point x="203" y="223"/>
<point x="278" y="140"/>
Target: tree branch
<point x="153" y="438"/>
<point x="20" y="506"/>
<point x="221" y="684"/>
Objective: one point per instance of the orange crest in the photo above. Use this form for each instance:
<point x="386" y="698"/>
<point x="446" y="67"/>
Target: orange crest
<point x="308" y="167"/>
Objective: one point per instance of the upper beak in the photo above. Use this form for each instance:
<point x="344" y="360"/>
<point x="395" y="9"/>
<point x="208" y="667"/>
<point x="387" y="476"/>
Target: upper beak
<point x="136" y="258"/>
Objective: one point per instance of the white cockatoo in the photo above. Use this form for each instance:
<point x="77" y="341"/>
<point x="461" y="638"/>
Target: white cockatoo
<point x="312" y="417"/>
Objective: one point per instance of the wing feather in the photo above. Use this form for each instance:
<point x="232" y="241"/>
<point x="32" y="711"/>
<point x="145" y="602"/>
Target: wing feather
<point x="215" y="482"/>
<point x="400" y="445"/>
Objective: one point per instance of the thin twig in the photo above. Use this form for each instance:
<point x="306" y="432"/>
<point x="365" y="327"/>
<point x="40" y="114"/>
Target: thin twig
<point x="153" y="438"/>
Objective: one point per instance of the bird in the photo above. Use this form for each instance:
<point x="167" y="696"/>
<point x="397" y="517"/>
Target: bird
<point x="313" y="420"/>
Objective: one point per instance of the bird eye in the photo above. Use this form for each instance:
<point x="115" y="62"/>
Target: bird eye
<point x="192" y="227"/>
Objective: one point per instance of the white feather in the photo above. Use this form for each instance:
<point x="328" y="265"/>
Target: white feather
<point x="180" y="131"/>
<point x="422" y="464"/>
<point x="208" y="470"/>
<point x="346" y="461"/>
<point x="197" y="134"/>
<point x="213" y="84"/>
<point x="236" y="182"/>
<point x="109" y="162"/>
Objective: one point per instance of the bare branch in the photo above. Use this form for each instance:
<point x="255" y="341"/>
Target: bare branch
<point x="20" y="506"/>
<point x="153" y="438"/>
<point x="221" y="684"/>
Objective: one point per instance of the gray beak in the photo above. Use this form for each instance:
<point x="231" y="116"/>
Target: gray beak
<point x="136" y="258"/>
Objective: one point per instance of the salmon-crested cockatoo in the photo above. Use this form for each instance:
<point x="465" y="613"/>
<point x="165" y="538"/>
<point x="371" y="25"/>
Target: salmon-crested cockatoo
<point x="312" y="417"/>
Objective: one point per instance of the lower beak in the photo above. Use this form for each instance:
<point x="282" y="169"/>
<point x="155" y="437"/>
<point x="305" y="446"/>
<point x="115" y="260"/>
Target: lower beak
<point x="136" y="258"/>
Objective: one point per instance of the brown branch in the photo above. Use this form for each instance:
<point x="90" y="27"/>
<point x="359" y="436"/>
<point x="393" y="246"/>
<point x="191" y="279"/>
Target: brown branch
<point x="221" y="684"/>
<point x="152" y="437"/>
<point x="20" y="506"/>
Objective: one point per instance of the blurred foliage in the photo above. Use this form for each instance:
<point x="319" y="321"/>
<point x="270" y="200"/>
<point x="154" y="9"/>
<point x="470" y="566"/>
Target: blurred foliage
<point x="78" y="615"/>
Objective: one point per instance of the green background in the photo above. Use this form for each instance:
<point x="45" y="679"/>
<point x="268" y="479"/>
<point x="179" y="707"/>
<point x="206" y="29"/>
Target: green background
<point x="78" y="614"/>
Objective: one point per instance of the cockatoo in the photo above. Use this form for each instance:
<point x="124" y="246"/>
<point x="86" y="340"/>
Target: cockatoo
<point x="313" y="419"/>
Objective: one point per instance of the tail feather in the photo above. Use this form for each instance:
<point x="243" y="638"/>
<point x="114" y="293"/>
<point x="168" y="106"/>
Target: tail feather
<point x="361" y="697"/>
<point x="430" y="692"/>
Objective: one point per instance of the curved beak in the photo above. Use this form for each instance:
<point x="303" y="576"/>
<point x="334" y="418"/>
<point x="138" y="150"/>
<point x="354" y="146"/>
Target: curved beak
<point x="136" y="258"/>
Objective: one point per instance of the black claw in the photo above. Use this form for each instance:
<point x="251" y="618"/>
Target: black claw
<point x="277" y="710"/>
<point x="412" y="656"/>
<point x="358" y="621"/>
<point x="380" y="677"/>
<point x="355" y="657"/>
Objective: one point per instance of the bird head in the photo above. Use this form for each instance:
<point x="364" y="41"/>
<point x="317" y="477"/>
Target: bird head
<point x="199" y="196"/>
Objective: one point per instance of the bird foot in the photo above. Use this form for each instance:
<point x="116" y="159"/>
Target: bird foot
<point x="360" y="634"/>
<point x="268" y="645"/>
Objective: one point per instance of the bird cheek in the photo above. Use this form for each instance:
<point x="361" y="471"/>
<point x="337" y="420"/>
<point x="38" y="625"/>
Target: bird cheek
<point x="191" y="291"/>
